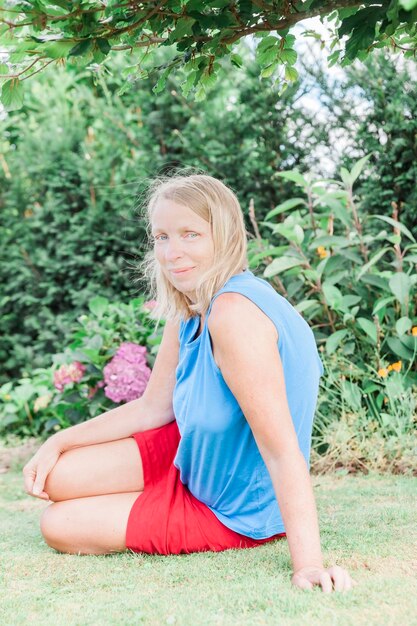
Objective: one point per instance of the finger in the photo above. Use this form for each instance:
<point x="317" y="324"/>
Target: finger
<point x="349" y="583"/>
<point x="301" y="582"/>
<point x="339" y="580"/>
<point x="29" y="479"/>
<point x="39" y="485"/>
<point x="339" y="577"/>
<point x="44" y="496"/>
<point x="326" y="582"/>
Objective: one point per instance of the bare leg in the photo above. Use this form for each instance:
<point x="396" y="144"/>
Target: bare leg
<point x="100" y="469"/>
<point x="92" y="525"/>
<point x="93" y="489"/>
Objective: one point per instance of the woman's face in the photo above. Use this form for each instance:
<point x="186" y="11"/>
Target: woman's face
<point x="183" y="245"/>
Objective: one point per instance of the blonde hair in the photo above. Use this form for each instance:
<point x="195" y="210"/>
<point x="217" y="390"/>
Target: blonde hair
<point x="216" y="203"/>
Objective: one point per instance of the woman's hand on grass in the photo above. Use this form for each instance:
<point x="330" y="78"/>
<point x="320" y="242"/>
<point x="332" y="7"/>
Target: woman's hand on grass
<point x="40" y="465"/>
<point x="334" y="578"/>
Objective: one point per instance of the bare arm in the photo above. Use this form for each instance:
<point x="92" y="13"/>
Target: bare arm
<point x="253" y="371"/>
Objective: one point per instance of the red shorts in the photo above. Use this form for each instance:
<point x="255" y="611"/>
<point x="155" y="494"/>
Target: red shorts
<point x="166" y="518"/>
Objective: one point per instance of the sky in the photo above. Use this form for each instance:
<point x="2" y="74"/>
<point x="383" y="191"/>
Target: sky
<point x="311" y="50"/>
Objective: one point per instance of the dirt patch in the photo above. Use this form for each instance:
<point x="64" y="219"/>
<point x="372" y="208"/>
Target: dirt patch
<point x="388" y="566"/>
<point x="14" y="456"/>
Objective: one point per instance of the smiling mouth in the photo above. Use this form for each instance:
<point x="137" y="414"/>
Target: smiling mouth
<point x="182" y="271"/>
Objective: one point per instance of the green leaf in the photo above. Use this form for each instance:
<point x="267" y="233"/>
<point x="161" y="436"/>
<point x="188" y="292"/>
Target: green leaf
<point x="104" y="46"/>
<point x="306" y="304"/>
<point x="189" y="83"/>
<point x="58" y="49"/>
<point x="289" y="231"/>
<point x="358" y="167"/>
<point x="285" y="206"/>
<point x="98" y="306"/>
<point x="94" y="343"/>
<point x="237" y="60"/>
<point x="381" y="303"/>
<point x="399" y="349"/>
<point x="80" y="48"/>
<point x="267" y="42"/>
<point x="333" y="58"/>
<point x="92" y="354"/>
<point x="333" y="295"/>
<point x="267" y="50"/>
<point x="352" y="395"/>
<point x="290" y="73"/>
<point x="288" y="56"/>
<point x="403" y="325"/>
<point x="372" y="262"/>
<point x="295" y="176"/>
<point x="268" y="71"/>
<point x="299" y="234"/>
<point x="400" y="285"/>
<point x="350" y="300"/>
<point x="289" y="40"/>
<point x="160" y="85"/>
<point x="183" y="27"/>
<point x="281" y="265"/>
<point x="335" y="339"/>
<point x="394" y="223"/>
<point x="336" y="241"/>
<point x="12" y="94"/>
<point x="376" y="281"/>
<point x="369" y="328"/>
<point x="24" y="392"/>
<point x="346" y="177"/>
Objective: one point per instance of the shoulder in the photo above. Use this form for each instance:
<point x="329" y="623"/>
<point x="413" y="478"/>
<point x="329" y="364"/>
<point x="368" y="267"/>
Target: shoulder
<point x="236" y="315"/>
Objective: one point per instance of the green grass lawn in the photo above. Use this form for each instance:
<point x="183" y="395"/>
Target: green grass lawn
<point x="368" y="525"/>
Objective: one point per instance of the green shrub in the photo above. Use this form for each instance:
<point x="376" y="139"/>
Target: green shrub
<point x="34" y="405"/>
<point x="364" y="421"/>
<point x="356" y="286"/>
<point x="72" y="165"/>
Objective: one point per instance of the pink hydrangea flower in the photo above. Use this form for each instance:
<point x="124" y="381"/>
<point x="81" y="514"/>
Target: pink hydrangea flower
<point x="127" y="374"/>
<point x="67" y="374"/>
<point x="150" y="304"/>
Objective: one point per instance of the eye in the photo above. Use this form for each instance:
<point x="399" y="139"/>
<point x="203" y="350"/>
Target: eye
<point x="196" y="234"/>
<point x="158" y="238"/>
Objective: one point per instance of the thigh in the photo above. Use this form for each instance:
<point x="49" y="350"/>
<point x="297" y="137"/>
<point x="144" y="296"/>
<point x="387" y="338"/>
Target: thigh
<point x="99" y="469"/>
<point x="94" y="525"/>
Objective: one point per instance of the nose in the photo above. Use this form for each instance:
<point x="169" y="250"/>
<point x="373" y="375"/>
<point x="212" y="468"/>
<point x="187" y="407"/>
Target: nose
<point x="173" y="250"/>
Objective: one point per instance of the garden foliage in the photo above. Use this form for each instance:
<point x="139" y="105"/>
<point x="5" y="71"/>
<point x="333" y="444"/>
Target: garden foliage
<point x="382" y="123"/>
<point x="197" y="34"/>
<point x="352" y="276"/>
<point x="72" y="167"/>
<point x="75" y="163"/>
<point x="90" y="375"/>
<point x="351" y="279"/>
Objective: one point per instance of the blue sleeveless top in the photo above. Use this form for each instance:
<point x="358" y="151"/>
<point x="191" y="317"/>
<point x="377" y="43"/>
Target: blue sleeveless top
<point x="217" y="457"/>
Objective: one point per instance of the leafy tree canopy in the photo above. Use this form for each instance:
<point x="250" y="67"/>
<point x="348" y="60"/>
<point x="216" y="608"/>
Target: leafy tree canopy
<point x="36" y="33"/>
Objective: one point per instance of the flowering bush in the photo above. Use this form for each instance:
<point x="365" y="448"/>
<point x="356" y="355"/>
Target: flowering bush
<point x="352" y="276"/>
<point x="108" y="361"/>
<point x="127" y="374"/>
<point x="66" y="374"/>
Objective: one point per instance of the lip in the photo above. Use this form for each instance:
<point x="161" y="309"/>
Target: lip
<point x="187" y="269"/>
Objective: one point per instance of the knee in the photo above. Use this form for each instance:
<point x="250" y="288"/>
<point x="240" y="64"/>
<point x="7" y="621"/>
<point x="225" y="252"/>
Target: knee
<point x="51" y="527"/>
<point x="58" y="479"/>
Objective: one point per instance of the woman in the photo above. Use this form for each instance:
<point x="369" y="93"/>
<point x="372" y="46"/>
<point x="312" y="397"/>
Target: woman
<point x="215" y="454"/>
